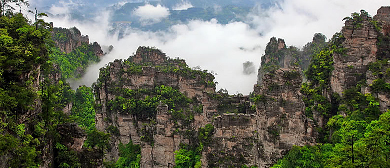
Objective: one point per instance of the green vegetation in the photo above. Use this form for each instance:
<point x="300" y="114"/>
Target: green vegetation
<point x="22" y="50"/>
<point x="33" y="125"/>
<point x="97" y="139"/>
<point x="144" y="107"/>
<point x="318" y="74"/>
<point x="357" y="18"/>
<point x="204" y="134"/>
<point x="356" y="143"/>
<point x="73" y="64"/>
<point x="82" y="109"/>
<point x="129" y="156"/>
<point x="306" y="156"/>
<point x="187" y="157"/>
<point x="190" y="155"/>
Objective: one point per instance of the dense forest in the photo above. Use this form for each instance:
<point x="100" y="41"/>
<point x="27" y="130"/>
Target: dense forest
<point x="44" y="123"/>
<point x="35" y="131"/>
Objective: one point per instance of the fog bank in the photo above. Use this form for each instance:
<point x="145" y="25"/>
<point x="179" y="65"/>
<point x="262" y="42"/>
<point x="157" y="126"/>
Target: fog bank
<point x="223" y="49"/>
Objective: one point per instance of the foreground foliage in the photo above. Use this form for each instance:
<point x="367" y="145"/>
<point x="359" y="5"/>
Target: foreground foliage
<point x="33" y="125"/>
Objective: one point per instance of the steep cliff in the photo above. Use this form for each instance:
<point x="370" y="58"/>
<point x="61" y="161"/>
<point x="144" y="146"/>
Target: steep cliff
<point x="280" y="119"/>
<point x="153" y="81"/>
<point x="68" y="39"/>
<point x="366" y="44"/>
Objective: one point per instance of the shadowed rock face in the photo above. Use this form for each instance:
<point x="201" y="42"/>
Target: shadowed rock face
<point x="69" y="39"/>
<point x="383" y="16"/>
<point x="281" y="122"/>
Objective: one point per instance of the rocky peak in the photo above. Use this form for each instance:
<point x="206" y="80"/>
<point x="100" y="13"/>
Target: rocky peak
<point x="149" y="55"/>
<point x="383" y="16"/>
<point x="68" y="39"/>
<point x="273" y="47"/>
<point x="313" y="47"/>
<point x="97" y="49"/>
<point x="360" y="48"/>
<point x="149" y="72"/>
<point x="277" y="55"/>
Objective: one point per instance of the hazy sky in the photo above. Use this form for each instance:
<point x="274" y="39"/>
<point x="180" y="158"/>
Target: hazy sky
<point x="222" y="48"/>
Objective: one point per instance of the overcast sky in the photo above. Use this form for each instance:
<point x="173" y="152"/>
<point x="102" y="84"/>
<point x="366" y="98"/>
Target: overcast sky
<point x="222" y="48"/>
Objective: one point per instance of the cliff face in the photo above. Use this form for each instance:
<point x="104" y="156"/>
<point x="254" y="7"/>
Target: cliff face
<point x="73" y="52"/>
<point x="360" y="44"/>
<point x="280" y="119"/>
<point x="383" y="17"/>
<point x="68" y="39"/>
<point x="365" y="45"/>
<point x="153" y="70"/>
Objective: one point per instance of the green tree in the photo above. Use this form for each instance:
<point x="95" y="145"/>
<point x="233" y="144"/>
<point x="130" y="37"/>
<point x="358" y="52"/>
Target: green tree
<point x="83" y="107"/>
<point x="98" y="139"/>
<point x="129" y="156"/>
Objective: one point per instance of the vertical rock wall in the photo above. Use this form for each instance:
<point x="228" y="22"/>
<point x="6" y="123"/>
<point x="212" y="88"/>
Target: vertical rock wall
<point x="166" y="135"/>
<point x="69" y="39"/>
<point x="360" y="44"/>
<point x="280" y="120"/>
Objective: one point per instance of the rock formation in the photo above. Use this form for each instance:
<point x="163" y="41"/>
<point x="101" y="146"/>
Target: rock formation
<point x="152" y="73"/>
<point x="278" y="55"/>
<point x="73" y="52"/>
<point x="383" y="17"/>
<point x="254" y="130"/>
<point x="280" y="119"/>
<point x="69" y="39"/>
<point x="245" y="133"/>
<point x="360" y="45"/>
<point x="361" y="51"/>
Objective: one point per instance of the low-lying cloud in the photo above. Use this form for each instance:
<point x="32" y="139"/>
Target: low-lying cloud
<point x="184" y="5"/>
<point x="62" y="7"/>
<point x="150" y="14"/>
<point x="225" y="48"/>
